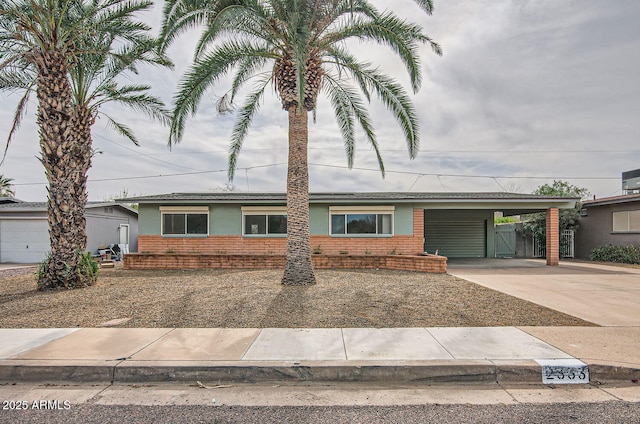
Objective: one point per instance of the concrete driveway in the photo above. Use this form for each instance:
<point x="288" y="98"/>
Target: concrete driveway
<point x="604" y="295"/>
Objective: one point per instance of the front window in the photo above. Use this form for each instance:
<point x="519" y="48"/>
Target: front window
<point x="361" y="222"/>
<point x="185" y="221"/>
<point x="264" y="222"/>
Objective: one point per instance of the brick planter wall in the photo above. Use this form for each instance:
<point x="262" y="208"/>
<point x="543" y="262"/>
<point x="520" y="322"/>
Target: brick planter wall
<point x="417" y="263"/>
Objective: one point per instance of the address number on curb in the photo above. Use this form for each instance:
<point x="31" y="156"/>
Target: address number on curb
<point x="564" y="372"/>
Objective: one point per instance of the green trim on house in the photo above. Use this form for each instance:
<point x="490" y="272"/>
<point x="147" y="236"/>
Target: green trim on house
<point x="318" y="220"/>
<point x="403" y="217"/>
<point x="226" y="219"/>
<point x="150" y="219"/>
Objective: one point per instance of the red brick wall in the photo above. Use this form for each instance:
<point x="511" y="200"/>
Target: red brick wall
<point x="418" y="263"/>
<point x="238" y="245"/>
<point x="553" y="237"/>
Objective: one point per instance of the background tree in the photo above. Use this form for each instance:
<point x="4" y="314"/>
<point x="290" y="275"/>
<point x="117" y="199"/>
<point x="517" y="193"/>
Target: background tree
<point x="536" y="224"/>
<point x="6" y="188"/>
<point x="44" y="43"/>
<point x="298" y="47"/>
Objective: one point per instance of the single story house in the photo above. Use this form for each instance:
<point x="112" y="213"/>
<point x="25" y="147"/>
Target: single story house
<point x="349" y="224"/>
<point x="24" y="230"/>
<point x="609" y="220"/>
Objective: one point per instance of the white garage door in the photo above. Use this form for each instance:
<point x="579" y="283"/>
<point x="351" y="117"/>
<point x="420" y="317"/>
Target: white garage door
<point x="23" y="241"/>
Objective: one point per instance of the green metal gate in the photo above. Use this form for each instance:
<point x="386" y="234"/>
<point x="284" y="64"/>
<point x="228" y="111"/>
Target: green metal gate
<point x="505" y="241"/>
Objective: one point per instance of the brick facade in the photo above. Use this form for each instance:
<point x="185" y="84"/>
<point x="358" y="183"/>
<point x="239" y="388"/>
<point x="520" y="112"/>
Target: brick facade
<point x="239" y="245"/>
<point x="399" y="252"/>
<point x="553" y="237"/>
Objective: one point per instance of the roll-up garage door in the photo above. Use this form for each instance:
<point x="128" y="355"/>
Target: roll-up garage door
<point x="23" y="241"/>
<point x="456" y="239"/>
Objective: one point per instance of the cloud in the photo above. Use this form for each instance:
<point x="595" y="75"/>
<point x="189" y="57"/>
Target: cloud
<point x="538" y="90"/>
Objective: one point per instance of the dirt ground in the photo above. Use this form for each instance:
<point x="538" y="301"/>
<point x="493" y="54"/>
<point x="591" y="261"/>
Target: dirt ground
<point x="256" y="299"/>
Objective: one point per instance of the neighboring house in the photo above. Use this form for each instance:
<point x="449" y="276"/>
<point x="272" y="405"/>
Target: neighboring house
<point x="453" y="224"/>
<point x="24" y="230"/>
<point x="610" y="220"/>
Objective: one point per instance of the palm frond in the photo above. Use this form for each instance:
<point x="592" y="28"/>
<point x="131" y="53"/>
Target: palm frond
<point x="246" y="69"/>
<point x="121" y="129"/>
<point x="136" y="98"/>
<point x="357" y="108"/>
<point x="344" y="115"/>
<point x="387" y="29"/>
<point x="426" y="5"/>
<point x="20" y="111"/>
<point x="341" y="59"/>
<point x="182" y="15"/>
<point x="250" y="21"/>
<point x="203" y="74"/>
<point x="245" y="116"/>
<point x="398" y="102"/>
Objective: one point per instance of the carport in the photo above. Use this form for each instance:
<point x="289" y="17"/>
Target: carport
<point x="461" y="225"/>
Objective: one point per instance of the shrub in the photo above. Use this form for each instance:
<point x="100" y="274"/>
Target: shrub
<point x="87" y="269"/>
<point x="618" y="254"/>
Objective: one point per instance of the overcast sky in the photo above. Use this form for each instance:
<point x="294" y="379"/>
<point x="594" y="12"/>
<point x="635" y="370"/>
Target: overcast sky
<point x="526" y="92"/>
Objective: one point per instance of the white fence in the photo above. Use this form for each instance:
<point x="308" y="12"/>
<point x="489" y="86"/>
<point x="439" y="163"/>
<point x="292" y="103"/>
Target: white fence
<point x="567" y="245"/>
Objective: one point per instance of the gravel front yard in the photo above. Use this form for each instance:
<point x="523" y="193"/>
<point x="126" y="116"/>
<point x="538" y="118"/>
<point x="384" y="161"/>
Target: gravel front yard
<point x="255" y="299"/>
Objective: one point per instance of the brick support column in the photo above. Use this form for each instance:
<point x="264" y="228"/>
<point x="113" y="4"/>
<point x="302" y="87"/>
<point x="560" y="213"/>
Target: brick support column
<point x="553" y="237"/>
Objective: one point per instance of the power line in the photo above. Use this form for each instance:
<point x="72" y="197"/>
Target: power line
<point x="144" y="154"/>
<point x="439" y="174"/>
<point x="418" y="174"/>
<point x="180" y="174"/>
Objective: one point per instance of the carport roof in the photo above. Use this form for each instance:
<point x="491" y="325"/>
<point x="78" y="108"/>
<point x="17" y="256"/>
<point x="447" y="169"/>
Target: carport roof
<point x="513" y="202"/>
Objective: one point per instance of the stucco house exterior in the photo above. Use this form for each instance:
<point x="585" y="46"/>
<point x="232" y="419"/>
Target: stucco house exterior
<point x="609" y="220"/>
<point x="24" y="230"/>
<point x="341" y="224"/>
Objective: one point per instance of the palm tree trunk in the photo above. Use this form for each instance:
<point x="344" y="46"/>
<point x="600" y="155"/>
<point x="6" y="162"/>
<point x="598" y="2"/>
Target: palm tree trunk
<point x="63" y="158"/>
<point x="298" y="269"/>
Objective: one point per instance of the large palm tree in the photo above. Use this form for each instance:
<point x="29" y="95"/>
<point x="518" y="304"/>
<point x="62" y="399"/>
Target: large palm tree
<point x="301" y="45"/>
<point x="70" y="52"/>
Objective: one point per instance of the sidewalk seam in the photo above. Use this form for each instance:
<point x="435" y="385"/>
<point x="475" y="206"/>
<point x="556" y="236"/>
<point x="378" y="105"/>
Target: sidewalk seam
<point x="344" y="345"/>
<point x="113" y="371"/>
<point x="438" y="341"/>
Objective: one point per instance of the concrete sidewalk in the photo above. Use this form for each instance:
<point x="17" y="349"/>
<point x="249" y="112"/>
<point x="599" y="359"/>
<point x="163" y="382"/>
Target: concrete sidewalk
<point x="398" y="355"/>
<point x="607" y="296"/>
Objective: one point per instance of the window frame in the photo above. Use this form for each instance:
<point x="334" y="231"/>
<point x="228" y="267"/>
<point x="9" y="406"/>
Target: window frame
<point x="362" y="210"/>
<point x="184" y="210"/>
<point x="265" y="211"/>
<point x="625" y="216"/>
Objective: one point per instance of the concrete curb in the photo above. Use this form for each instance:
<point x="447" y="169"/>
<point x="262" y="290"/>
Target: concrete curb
<point x="420" y="372"/>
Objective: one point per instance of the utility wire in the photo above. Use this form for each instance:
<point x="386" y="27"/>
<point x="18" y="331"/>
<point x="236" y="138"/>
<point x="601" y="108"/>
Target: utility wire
<point x="146" y="155"/>
<point x="419" y="174"/>
<point x="469" y="176"/>
<point x="179" y="174"/>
